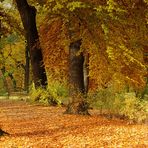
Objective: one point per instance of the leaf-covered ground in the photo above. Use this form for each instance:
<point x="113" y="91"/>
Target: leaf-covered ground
<point x="34" y="126"/>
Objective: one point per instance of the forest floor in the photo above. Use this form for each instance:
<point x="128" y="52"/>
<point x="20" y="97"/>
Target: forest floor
<point x="35" y="126"/>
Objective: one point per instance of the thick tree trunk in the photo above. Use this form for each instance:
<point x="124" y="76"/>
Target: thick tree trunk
<point x="76" y="68"/>
<point x="28" y="16"/>
<point x="77" y="104"/>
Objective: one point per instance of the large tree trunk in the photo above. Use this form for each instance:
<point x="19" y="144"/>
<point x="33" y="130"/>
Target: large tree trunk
<point x="28" y="16"/>
<point x="76" y="68"/>
<point x="77" y="104"/>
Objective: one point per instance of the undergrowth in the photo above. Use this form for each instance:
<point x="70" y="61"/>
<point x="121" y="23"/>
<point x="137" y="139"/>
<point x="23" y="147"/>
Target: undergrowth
<point x="121" y="104"/>
<point x="55" y="94"/>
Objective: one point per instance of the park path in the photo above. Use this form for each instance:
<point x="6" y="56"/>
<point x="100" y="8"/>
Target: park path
<point x="34" y="126"/>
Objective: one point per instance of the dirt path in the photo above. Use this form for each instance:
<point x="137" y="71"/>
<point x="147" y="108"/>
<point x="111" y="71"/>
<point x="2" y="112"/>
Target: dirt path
<point x="33" y="126"/>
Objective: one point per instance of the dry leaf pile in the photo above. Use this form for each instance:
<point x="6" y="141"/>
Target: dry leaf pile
<point x="34" y="126"/>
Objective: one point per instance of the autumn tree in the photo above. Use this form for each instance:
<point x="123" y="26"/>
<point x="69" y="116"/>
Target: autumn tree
<point x="28" y="16"/>
<point x="75" y="60"/>
<point x="110" y="33"/>
<point x="12" y="68"/>
<point x="12" y="33"/>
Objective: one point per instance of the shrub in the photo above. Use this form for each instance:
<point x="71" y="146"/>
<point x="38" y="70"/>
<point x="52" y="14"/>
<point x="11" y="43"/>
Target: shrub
<point x="134" y="108"/>
<point x="55" y="94"/>
<point x="122" y="104"/>
<point x="101" y="99"/>
<point x="58" y="91"/>
<point x="39" y="95"/>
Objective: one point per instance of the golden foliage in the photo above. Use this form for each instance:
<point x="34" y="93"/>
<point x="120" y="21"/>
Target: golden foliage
<point x="55" y="51"/>
<point x="115" y="48"/>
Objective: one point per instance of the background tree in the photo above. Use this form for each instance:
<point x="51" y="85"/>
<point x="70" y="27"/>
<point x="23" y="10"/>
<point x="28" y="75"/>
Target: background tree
<point x="12" y="61"/>
<point x="28" y="16"/>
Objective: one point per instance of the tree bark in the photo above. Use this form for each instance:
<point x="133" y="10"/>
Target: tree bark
<point x="77" y="104"/>
<point x="76" y="68"/>
<point x="27" y="70"/>
<point x="28" y="16"/>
